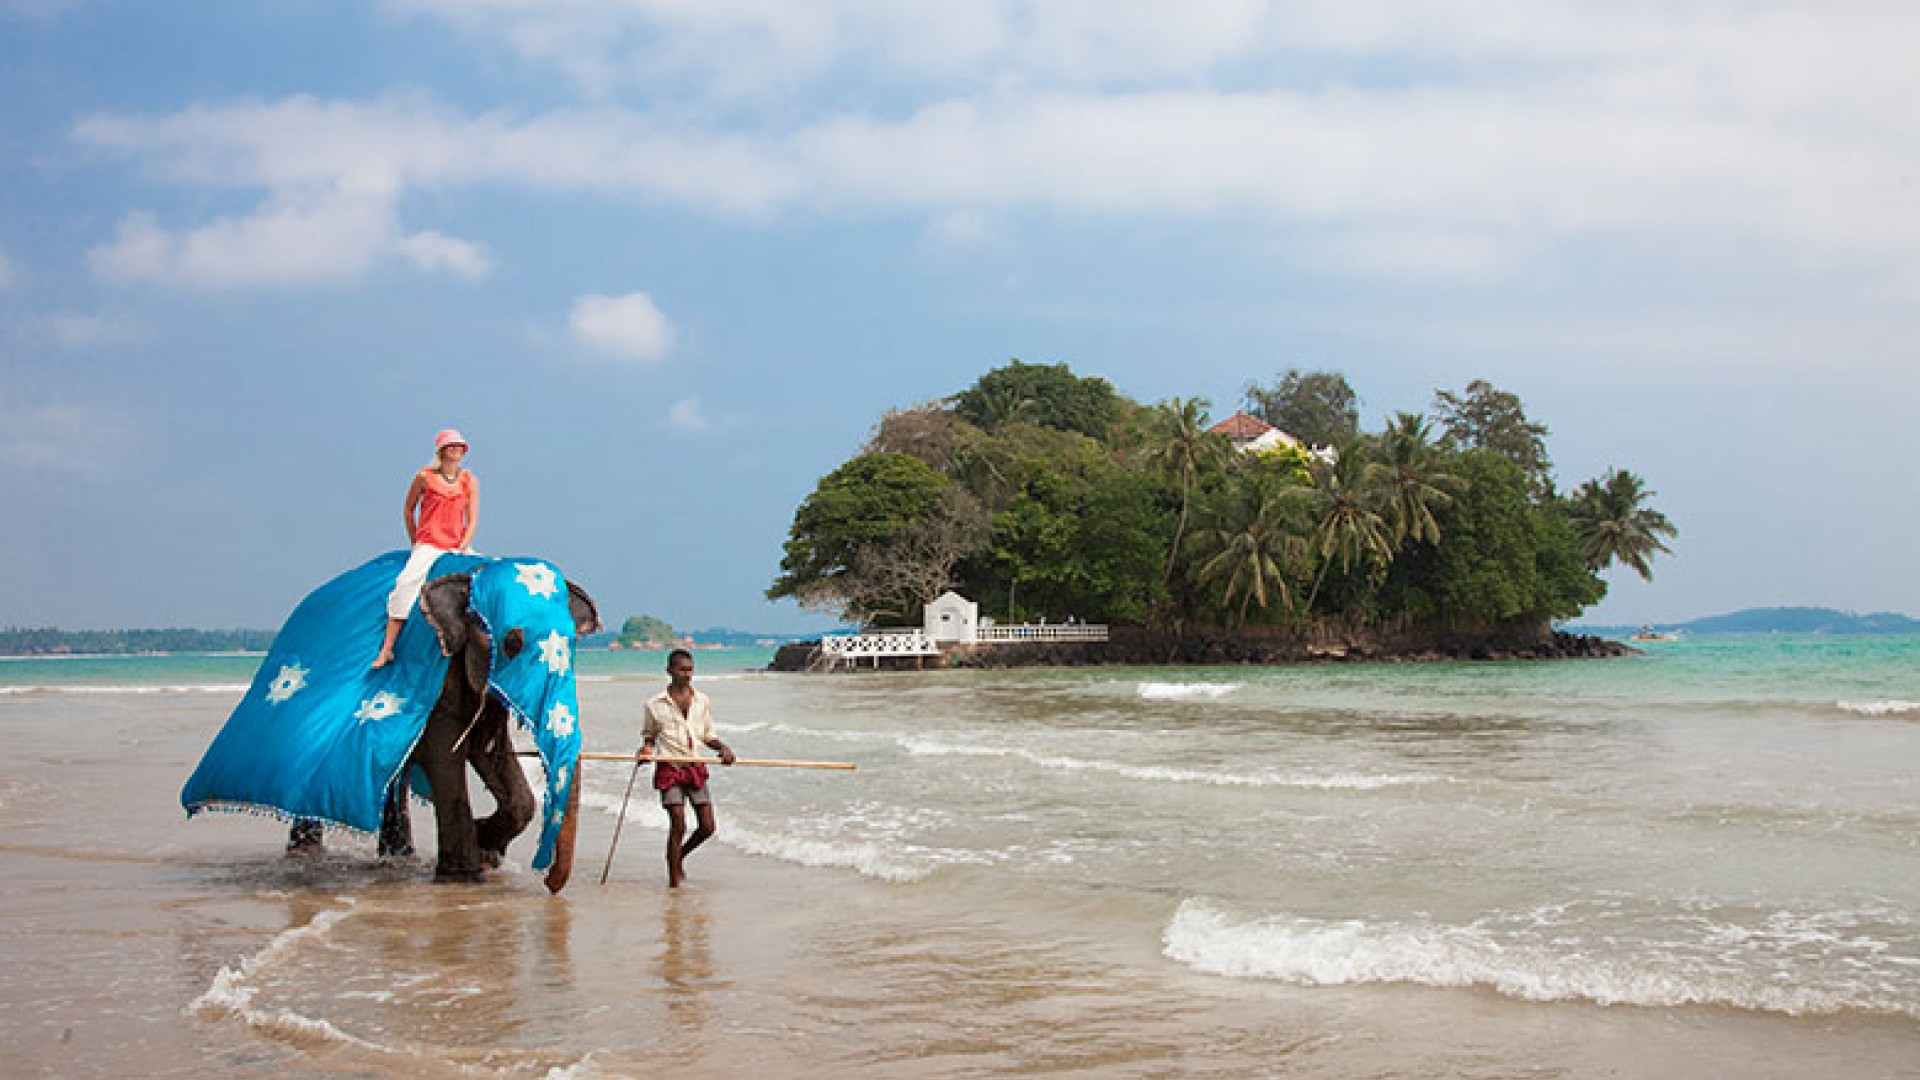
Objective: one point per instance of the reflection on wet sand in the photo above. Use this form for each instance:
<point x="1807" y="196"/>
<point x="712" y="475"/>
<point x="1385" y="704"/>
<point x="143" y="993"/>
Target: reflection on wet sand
<point x="686" y="972"/>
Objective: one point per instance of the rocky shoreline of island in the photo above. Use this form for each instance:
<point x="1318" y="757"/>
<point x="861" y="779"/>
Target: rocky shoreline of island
<point x="1139" y="647"/>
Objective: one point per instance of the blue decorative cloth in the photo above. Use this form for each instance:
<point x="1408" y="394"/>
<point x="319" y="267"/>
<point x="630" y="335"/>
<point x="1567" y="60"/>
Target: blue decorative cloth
<point x="319" y="735"/>
<point x="537" y="686"/>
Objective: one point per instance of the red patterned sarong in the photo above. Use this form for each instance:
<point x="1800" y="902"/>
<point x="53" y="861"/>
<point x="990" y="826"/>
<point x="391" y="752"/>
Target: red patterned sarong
<point x="672" y="776"/>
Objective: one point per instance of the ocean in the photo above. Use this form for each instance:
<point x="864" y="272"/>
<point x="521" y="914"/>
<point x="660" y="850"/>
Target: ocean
<point x="1702" y="861"/>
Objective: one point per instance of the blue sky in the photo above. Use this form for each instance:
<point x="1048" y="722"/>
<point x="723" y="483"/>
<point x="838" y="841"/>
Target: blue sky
<point x="666" y="263"/>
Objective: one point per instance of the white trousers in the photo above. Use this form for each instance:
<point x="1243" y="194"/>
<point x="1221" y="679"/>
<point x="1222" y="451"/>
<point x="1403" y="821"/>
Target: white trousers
<point x="406" y="588"/>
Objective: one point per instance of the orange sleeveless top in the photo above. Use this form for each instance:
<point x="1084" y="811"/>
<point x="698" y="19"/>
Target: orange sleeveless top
<point x="444" y="506"/>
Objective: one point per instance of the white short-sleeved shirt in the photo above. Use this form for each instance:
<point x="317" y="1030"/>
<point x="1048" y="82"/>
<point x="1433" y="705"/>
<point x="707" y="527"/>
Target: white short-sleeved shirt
<point x="675" y="734"/>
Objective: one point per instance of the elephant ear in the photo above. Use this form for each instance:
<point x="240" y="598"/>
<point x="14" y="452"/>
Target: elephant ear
<point x="586" y="617"/>
<point x="444" y="603"/>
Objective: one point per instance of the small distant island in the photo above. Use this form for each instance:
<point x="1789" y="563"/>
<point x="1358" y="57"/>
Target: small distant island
<point x="649" y="632"/>
<point x="1284" y="530"/>
<point x="1774" y="620"/>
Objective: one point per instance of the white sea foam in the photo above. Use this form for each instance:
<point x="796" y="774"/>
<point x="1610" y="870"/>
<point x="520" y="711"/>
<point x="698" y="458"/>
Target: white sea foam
<point x="1159" y="691"/>
<point x="233" y="991"/>
<point x="1314" y="952"/>
<point x="1168" y="773"/>
<point x="867" y="859"/>
<point x="1894" y="707"/>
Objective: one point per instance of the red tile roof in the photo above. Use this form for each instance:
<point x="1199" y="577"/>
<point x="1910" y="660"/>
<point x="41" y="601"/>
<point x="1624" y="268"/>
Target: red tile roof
<point x="1241" y="426"/>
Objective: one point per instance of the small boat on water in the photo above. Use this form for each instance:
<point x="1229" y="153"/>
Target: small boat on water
<point x="1648" y="633"/>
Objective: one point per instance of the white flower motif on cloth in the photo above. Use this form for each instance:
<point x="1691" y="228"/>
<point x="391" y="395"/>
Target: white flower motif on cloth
<point x="379" y="707"/>
<point x="291" y="680"/>
<point x="560" y="777"/>
<point x="560" y="720"/>
<point x="537" y="578"/>
<point x="556" y="653"/>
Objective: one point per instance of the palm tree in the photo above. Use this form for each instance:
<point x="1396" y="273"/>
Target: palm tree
<point x="1613" y="525"/>
<point x="1409" y="468"/>
<point x="1350" y="523"/>
<point x="1182" y="447"/>
<point x="1249" y="544"/>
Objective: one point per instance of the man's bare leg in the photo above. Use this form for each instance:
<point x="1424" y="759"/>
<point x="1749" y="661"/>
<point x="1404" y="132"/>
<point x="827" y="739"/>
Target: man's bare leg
<point x="676" y="833"/>
<point x="701" y="835"/>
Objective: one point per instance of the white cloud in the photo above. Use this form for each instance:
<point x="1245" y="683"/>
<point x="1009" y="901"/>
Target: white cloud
<point x="629" y="327"/>
<point x="292" y="240"/>
<point x="435" y="251"/>
<point x="687" y="415"/>
<point x="1418" y="137"/>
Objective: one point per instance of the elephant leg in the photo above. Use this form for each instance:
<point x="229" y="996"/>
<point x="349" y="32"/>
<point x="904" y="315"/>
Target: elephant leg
<point x="396" y="824"/>
<point x="446" y="769"/>
<point x="490" y="749"/>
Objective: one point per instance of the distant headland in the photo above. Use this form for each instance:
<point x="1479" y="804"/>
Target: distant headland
<point x="1773" y="620"/>
<point x="51" y="642"/>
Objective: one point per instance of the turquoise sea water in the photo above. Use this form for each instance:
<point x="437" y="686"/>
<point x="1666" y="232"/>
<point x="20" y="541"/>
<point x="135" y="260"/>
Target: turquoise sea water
<point x="1702" y="860"/>
<point x="222" y="671"/>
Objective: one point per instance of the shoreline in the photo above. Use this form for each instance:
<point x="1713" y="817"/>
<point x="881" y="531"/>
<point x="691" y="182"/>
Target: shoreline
<point x="1133" y="647"/>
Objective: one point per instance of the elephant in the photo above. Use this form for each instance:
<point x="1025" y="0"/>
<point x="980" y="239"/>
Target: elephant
<point x="467" y="726"/>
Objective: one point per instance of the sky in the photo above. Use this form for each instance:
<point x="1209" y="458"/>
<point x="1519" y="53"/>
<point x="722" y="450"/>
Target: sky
<point x="665" y="263"/>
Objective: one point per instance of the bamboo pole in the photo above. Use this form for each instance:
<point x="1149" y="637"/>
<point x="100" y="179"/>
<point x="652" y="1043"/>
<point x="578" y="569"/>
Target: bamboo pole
<point x="598" y="755"/>
<point x="618" y="822"/>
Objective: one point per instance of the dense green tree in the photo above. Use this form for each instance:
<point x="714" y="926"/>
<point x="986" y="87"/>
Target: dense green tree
<point x="1038" y="492"/>
<point x="1317" y="407"/>
<point x="1484" y="418"/>
<point x="1182" y="448"/>
<point x="1249" y="542"/>
<point x="1506" y="557"/>
<point x="1407" y="465"/>
<point x="1613" y="524"/>
<point x="1349" y="506"/>
<point x="1076" y="533"/>
<point x="863" y="505"/>
<point x="1049" y="395"/>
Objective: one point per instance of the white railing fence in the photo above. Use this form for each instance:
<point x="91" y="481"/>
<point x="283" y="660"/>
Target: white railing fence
<point x="1043" y="632"/>
<point x="891" y="643"/>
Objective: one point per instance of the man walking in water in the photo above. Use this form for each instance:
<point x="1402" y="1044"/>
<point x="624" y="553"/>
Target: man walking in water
<point x="679" y="720"/>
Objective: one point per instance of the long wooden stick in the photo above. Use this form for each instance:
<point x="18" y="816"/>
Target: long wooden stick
<point x="617" y="822"/>
<point x="600" y="755"/>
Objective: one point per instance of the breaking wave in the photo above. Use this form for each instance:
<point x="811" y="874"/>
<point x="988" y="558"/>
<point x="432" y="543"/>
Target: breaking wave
<point x="1880" y="708"/>
<point x="233" y="991"/>
<point x="1728" y="966"/>
<point x="1159" y="691"/>
<point x="1156" y="773"/>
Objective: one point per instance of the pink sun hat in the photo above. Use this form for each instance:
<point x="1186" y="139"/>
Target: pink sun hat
<point x="449" y="437"/>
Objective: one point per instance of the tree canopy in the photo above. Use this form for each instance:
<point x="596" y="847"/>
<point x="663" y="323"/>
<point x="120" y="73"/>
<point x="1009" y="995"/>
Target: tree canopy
<point x="1317" y="407"/>
<point x="1048" y="395"/>
<point x="1037" y="492"/>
